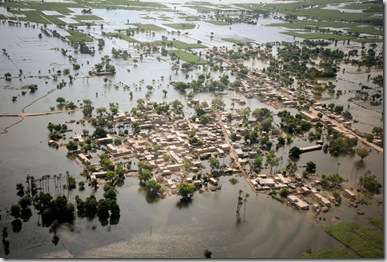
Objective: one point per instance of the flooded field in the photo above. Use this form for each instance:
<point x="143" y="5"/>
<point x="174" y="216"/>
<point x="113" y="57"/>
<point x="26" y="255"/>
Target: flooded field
<point x="166" y="228"/>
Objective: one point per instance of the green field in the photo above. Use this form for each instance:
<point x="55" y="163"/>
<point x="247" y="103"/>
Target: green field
<point x="377" y="222"/>
<point x="183" y="45"/>
<point x="148" y="27"/>
<point x="215" y="22"/>
<point x="366" y="241"/>
<point x="55" y="20"/>
<point x="76" y="36"/>
<point x="316" y="35"/>
<point x="121" y="36"/>
<point x="314" y="24"/>
<point x="87" y="17"/>
<point x="176" y="43"/>
<point x="36" y="17"/>
<point x="188" y="57"/>
<point x="179" y="26"/>
<point x="62" y="8"/>
<point x="133" y="3"/>
<point x="367" y="30"/>
<point x="328" y="253"/>
<point x="234" y="41"/>
<point x="191" y="18"/>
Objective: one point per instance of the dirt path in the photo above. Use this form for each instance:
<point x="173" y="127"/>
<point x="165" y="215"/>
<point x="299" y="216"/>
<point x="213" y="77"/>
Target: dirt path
<point x="23" y="114"/>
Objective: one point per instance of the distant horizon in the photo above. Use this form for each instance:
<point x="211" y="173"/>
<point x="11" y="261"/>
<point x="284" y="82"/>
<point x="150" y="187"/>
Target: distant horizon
<point x="187" y="1"/>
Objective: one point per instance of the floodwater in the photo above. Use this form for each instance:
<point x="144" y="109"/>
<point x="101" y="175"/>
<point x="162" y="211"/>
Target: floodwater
<point x="166" y="229"/>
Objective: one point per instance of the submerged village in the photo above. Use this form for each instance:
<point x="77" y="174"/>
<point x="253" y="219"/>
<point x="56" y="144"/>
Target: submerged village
<point x="183" y="109"/>
<point x="175" y="150"/>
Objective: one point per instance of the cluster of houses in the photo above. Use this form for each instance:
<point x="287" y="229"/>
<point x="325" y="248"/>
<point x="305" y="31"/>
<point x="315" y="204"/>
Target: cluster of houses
<point x="164" y="144"/>
<point x="303" y="196"/>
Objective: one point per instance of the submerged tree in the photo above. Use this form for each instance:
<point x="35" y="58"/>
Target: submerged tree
<point x="186" y="190"/>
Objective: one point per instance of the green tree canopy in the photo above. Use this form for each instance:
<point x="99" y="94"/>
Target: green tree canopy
<point x="186" y="190"/>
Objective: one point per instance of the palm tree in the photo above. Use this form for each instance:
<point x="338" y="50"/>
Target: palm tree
<point x="55" y="182"/>
<point x="48" y="183"/>
<point x="245" y="201"/>
<point x="240" y="200"/>
<point x="28" y="191"/>
<point x="60" y="181"/>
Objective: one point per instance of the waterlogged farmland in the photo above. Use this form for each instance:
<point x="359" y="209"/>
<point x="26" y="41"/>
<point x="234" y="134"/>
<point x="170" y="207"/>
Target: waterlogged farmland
<point x="129" y="128"/>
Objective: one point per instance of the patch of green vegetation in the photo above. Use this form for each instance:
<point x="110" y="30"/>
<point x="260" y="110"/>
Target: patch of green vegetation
<point x="377" y="221"/>
<point x="215" y="22"/>
<point x="329" y="14"/>
<point x="368" y="40"/>
<point x="14" y="5"/>
<point x="135" y="4"/>
<point x="316" y="35"/>
<point x="76" y="36"/>
<point x="87" y="17"/>
<point x="55" y="20"/>
<point x="314" y="24"/>
<point x="179" y="26"/>
<point x="183" y="45"/>
<point x="365" y="6"/>
<point x="233" y="181"/>
<point x="366" y="30"/>
<point x="367" y="242"/>
<point x="191" y="18"/>
<point x="148" y="27"/>
<point x="62" y="8"/>
<point x="121" y="36"/>
<point x="2" y="16"/>
<point x="235" y="41"/>
<point x="329" y="252"/>
<point x="188" y="57"/>
<point x="35" y="17"/>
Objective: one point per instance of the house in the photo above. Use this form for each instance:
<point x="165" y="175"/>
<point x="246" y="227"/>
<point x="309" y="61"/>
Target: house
<point x="300" y="204"/>
<point x="83" y="158"/>
<point x="239" y="152"/>
<point x="266" y="182"/>
<point x="213" y="181"/>
<point x="105" y="140"/>
<point x="96" y="175"/>
<point x="349" y="193"/>
<point x="322" y="200"/>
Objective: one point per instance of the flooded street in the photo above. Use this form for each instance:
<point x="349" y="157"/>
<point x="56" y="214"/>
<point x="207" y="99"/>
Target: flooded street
<point x="167" y="228"/>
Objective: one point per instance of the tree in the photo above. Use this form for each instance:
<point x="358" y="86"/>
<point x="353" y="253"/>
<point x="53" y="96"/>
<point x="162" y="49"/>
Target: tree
<point x="284" y="192"/>
<point x="72" y="146"/>
<point x="207" y="253"/>
<point x="8" y="76"/>
<point x="378" y="131"/>
<point x="362" y="152"/>
<point x="99" y="133"/>
<point x="214" y="163"/>
<point x="152" y="188"/>
<point x="295" y="152"/>
<point x="218" y="103"/>
<point x="258" y="161"/>
<point x="110" y="194"/>
<point x="370" y="183"/>
<point x="187" y="164"/>
<point x="186" y="190"/>
<point x="310" y="167"/>
<point x="15" y="211"/>
<point x="240" y="200"/>
<point x="60" y="100"/>
<point x="145" y="175"/>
